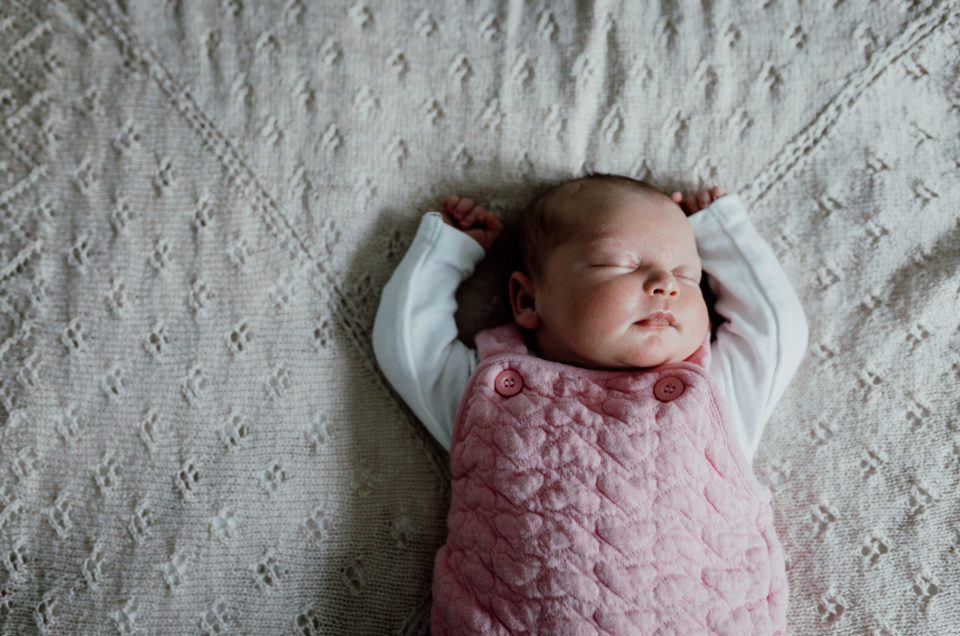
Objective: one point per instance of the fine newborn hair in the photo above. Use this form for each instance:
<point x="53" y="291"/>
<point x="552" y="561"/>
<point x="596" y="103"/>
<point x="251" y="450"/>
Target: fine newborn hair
<point x="540" y="226"/>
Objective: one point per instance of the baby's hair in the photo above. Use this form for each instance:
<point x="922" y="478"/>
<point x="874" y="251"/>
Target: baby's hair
<point x="540" y="227"/>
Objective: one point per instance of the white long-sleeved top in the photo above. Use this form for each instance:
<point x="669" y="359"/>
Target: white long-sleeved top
<point x="755" y="354"/>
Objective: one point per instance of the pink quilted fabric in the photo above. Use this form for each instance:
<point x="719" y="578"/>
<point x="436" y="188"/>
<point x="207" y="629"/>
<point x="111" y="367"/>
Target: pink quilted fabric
<point x="596" y="502"/>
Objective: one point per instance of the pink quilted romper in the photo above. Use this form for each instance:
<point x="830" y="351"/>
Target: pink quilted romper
<point x="602" y="502"/>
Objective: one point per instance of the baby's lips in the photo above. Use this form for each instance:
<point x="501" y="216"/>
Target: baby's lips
<point x="658" y="319"/>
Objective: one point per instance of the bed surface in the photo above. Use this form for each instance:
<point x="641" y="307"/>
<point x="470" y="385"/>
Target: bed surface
<point x="199" y="205"/>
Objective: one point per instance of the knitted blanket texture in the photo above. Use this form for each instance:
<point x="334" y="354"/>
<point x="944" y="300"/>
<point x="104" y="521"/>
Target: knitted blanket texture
<point x="200" y="202"/>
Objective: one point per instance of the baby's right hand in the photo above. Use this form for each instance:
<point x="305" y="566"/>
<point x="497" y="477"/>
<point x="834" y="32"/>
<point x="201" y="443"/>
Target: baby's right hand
<point x="478" y="223"/>
<point x="699" y="201"/>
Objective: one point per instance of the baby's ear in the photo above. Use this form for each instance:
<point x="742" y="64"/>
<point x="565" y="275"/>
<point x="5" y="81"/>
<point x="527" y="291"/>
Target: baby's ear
<point x="522" y="301"/>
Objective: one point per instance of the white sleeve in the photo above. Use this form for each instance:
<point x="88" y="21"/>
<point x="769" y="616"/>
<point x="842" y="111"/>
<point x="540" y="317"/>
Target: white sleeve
<point x="759" y="347"/>
<point x="415" y="334"/>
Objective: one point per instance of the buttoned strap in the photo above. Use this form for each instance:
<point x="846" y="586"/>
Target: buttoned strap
<point x="503" y="339"/>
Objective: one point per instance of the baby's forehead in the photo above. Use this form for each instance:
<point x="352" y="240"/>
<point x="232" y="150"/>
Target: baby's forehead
<point x="590" y="194"/>
<point x="635" y="221"/>
<point x="590" y="208"/>
<point x="583" y="207"/>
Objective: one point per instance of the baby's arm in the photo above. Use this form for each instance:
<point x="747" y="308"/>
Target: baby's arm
<point x="414" y="334"/>
<point x="759" y="347"/>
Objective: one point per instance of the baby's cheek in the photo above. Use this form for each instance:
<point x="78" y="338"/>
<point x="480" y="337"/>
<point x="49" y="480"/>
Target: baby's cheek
<point x="603" y="306"/>
<point x="584" y="317"/>
<point x="700" y="319"/>
<point x="704" y="313"/>
<point x="574" y="318"/>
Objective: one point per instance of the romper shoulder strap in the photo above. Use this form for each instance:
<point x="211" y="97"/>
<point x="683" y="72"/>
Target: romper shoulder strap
<point x="503" y="339"/>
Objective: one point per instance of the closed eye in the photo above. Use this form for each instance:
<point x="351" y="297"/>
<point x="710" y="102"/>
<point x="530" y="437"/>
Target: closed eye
<point x="688" y="276"/>
<point x="616" y="265"/>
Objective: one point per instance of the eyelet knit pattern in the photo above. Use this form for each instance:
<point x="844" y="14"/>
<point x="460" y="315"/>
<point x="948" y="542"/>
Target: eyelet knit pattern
<point x="201" y="201"/>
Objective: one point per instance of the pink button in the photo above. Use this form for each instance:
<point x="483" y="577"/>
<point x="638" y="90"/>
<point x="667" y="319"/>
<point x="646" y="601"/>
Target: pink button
<point x="508" y="383"/>
<point x="668" y="388"/>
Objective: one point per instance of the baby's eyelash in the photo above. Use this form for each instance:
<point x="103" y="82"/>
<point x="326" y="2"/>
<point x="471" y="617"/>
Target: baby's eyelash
<point x="620" y="265"/>
<point x="688" y="275"/>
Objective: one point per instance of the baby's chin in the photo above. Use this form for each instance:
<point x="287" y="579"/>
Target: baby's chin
<point x="648" y="362"/>
<point x="609" y="356"/>
<point x="626" y="362"/>
<point x="650" y="359"/>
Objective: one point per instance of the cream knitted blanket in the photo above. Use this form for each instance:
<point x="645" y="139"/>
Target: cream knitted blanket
<point x="200" y="202"/>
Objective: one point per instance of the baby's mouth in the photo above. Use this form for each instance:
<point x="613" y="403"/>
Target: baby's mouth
<point x="658" y="320"/>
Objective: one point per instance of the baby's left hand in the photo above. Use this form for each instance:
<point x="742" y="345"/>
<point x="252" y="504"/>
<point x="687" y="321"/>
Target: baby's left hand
<point x="699" y="201"/>
<point x="475" y="221"/>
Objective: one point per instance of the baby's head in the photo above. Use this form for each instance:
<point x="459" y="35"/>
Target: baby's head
<point x="611" y="276"/>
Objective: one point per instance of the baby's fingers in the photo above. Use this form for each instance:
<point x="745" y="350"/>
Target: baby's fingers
<point x="457" y="206"/>
<point x="478" y="216"/>
<point x="463" y="209"/>
<point x="703" y="199"/>
<point x="686" y="204"/>
<point x="450" y="203"/>
<point x="487" y="230"/>
<point x="490" y="221"/>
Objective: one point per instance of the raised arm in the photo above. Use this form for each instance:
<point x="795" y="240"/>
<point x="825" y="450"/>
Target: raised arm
<point x="414" y="333"/>
<point x="759" y="347"/>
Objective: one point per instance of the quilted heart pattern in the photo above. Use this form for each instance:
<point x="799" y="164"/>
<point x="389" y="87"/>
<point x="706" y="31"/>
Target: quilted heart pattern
<point x="594" y="502"/>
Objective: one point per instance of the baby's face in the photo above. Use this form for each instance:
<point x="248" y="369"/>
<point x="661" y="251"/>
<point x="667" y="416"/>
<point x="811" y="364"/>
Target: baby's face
<point x="624" y="290"/>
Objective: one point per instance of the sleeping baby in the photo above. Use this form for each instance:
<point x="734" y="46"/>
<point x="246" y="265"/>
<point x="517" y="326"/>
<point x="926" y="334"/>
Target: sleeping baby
<point x="600" y="444"/>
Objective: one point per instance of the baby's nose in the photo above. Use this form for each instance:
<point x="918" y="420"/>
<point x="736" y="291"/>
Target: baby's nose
<point x="661" y="284"/>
